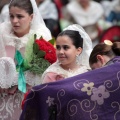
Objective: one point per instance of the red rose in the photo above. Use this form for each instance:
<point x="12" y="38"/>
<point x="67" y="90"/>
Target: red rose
<point x="48" y="48"/>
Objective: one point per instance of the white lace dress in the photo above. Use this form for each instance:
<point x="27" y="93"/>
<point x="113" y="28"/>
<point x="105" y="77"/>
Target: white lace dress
<point x="10" y="96"/>
<point x="56" y="72"/>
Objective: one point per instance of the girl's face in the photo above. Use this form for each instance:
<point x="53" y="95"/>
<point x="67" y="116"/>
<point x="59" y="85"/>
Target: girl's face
<point x="20" y="21"/>
<point x="66" y="51"/>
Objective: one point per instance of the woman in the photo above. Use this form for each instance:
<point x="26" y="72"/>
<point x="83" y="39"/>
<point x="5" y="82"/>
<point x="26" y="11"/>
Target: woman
<point x="104" y="54"/>
<point x="84" y="12"/>
<point x="73" y="47"/>
<point x="14" y="35"/>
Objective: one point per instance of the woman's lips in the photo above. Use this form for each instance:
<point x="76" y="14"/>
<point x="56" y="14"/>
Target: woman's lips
<point x="16" y="26"/>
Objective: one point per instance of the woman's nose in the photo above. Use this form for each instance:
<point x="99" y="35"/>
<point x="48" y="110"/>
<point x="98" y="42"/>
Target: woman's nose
<point x="15" y="19"/>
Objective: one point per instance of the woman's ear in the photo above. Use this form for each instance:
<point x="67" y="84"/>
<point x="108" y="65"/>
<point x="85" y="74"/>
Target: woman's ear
<point x="79" y="51"/>
<point x="31" y="16"/>
<point x="100" y="58"/>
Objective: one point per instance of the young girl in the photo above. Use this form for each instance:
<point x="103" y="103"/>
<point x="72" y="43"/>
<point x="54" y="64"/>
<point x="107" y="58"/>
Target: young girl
<point x="73" y="47"/>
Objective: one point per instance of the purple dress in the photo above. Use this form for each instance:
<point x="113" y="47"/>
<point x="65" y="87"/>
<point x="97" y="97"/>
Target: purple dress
<point x="94" y="95"/>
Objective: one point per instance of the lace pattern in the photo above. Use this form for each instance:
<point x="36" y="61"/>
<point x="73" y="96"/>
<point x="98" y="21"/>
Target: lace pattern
<point x="7" y="72"/>
<point x="10" y="106"/>
<point x="60" y="71"/>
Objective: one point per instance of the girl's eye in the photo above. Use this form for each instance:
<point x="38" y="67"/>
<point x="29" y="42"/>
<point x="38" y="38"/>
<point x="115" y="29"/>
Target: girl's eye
<point x="58" y="47"/>
<point x="65" y="47"/>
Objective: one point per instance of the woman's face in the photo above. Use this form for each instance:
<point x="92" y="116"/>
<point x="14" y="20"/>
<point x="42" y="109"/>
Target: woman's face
<point x="66" y="51"/>
<point x="96" y="65"/>
<point x="20" y="21"/>
<point x="101" y="61"/>
<point x="84" y="2"/>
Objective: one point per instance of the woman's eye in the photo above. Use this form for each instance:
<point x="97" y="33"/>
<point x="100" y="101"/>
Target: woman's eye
<point x="11" y="16"/>
<point x="19" y="16"/>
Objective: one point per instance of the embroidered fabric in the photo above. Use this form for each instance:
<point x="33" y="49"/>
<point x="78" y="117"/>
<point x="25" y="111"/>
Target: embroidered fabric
<point x="65" y="73"/>
<point x="93" y="95"/>
<point x="10" y="106"/>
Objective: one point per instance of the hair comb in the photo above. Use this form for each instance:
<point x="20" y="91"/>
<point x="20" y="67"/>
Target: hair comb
<point x="108" y="42"/>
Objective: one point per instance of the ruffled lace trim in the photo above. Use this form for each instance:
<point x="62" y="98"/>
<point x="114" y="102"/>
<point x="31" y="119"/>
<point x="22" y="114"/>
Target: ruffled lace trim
<point x="60" y="71"/>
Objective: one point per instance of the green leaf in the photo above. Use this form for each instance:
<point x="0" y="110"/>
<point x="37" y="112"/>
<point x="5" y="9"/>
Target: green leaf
<point x="41" y="53"/>
<point x="28" y="55"/>
<point x="35" y="48"/>
<point x="39" y="66"/>
<point x="52" y="41"/>
<point x="35" y="36"/>
<point x="41" y="37"/>
<point x="26" y="64"/>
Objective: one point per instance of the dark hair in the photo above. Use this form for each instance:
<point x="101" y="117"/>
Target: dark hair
<point x="75" y="37"/>
<point x="23" y="4"/>
<point x="104" y="49"/>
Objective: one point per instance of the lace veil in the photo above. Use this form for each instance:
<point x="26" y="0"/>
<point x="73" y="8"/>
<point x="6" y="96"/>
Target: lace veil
<point x="87" y="44"/>
<point x="37" y="18"/>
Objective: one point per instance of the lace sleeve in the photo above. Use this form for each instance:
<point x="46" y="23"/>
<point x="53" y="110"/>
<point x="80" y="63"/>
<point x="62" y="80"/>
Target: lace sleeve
<point x="7" y="72"/>
<point x="2" y="47"/>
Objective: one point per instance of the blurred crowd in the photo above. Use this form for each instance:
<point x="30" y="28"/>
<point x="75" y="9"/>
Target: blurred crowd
<point x="95" y="16"/>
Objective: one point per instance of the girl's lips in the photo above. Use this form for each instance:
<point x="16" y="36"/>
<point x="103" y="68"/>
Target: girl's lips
<point x="61" y="58"/>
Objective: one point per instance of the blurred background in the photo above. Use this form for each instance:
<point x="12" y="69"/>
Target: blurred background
<point x="99" y="18"/>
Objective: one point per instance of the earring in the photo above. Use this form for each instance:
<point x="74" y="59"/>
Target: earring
<point x="77" y="59"/>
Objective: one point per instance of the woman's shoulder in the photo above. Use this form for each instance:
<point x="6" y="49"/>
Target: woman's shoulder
<point x="95" y="4"/>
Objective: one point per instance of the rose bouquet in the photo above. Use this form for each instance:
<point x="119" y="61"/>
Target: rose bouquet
<point x="39" y="55"/>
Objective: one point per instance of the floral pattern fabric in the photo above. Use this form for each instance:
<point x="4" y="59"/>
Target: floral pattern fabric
<point x="94" y="95"/>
